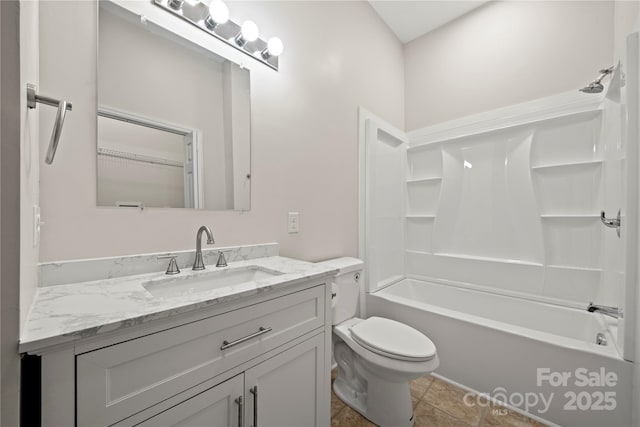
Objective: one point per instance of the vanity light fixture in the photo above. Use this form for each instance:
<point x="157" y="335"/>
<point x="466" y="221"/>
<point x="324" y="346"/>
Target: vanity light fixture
<point x="213" y="18"/>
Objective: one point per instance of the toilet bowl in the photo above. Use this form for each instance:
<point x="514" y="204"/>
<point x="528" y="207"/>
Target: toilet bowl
<point x="376" y="357"/>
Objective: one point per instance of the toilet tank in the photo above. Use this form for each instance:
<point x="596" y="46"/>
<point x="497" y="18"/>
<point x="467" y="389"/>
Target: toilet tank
<point x="345" y="287"/>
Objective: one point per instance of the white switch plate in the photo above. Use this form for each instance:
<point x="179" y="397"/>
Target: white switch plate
<point x="293" y="222"/>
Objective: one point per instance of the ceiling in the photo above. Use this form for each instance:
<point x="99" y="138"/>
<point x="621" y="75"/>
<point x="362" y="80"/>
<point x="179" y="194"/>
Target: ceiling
<point x="411" y="19"/>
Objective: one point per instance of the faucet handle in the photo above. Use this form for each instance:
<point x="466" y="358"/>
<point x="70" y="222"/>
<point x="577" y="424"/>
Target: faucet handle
<point x="172" y="268"/>
<point x="222" y="261"/>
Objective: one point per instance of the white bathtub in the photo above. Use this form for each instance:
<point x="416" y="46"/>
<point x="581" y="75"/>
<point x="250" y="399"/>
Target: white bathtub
<point x="505" y="346"/>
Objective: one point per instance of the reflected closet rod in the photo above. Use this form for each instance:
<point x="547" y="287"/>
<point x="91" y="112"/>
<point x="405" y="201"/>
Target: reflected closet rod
<point x="139" y="158"/>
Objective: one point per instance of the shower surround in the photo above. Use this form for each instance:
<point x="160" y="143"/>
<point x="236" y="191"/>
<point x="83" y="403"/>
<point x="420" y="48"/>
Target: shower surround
<point x="471" y="227"/>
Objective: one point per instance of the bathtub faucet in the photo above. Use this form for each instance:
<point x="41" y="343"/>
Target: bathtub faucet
<point x="614" y="312"/>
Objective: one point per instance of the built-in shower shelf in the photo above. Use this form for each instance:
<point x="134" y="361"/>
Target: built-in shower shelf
<point x="575" y="268"/>
<point x="589" y="163"/>
<point x="424" y="164"/>
<point x="486" y="259"/>
<point x="423" y="146"/>
<point x="428" y="179"/>
<point x="412" y="216"/>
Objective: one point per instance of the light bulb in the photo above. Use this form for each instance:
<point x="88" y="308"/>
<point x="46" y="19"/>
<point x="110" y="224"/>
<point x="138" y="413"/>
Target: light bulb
<point x="218" y="14"/>
<point x="275" y="46"/>
<point x="249" y="31"/>
<point x="218" y="11"/>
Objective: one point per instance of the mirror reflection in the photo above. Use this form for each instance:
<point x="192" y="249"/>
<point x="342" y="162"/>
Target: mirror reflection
<point x="173" y="120"/>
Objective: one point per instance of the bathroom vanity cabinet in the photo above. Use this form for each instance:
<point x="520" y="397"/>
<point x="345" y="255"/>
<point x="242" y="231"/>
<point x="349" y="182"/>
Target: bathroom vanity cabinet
<point x="263" y="395"/>
<point x="261" y="361"/>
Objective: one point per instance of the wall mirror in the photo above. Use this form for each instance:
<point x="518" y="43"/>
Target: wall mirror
<point x="173" y="120"/>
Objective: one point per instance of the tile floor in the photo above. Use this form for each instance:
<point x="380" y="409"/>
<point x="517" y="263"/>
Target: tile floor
<point x="436" y="403"/>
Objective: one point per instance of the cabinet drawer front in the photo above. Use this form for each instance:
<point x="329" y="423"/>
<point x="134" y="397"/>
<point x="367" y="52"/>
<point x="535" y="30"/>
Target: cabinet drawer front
<point x="118" y="381"/>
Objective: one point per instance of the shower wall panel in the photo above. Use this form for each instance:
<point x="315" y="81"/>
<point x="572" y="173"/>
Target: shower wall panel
<point x="515" y="208"/>
<point x="385" y="226"/>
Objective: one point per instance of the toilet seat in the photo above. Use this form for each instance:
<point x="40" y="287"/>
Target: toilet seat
<point x="393" y="339"/>
<point x="381" y="365"/>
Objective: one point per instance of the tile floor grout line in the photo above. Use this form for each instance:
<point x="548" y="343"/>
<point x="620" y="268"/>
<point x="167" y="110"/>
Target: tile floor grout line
<point x="421" y="398"/>
<point x="483" y="416"/>
<point x="339" y="410"/>
<point x="424" y="393"/>
<point x="429" y="386"/>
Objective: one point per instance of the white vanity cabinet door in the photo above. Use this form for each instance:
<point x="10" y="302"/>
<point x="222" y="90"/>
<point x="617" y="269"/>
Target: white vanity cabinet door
<point x="289" y="388"/>
<point x="218" y="406"/>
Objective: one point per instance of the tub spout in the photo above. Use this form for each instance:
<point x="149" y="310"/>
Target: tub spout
<point x="614" y="312"/>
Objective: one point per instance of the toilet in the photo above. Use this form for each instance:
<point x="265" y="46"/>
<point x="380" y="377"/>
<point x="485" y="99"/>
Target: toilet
<point x="376" y="357"/>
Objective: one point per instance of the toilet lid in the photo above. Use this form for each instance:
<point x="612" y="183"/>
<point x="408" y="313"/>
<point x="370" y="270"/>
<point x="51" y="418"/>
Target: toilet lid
<point x="393" y="339"/>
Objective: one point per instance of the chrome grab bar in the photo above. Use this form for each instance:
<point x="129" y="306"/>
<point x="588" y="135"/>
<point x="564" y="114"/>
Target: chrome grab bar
<point x="226" y="344"/>
<point x="32" y="99"/>
<point x="611" y="222"/>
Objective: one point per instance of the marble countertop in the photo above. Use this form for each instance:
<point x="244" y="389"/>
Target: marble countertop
<point x="70" y="312"/>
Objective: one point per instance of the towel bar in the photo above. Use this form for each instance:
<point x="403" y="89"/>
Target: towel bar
<point x="32" y="99"/>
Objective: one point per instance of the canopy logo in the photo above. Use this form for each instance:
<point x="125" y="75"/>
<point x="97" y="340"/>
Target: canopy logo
<point x="582" y="396"/>
<point x="530" y="401"/>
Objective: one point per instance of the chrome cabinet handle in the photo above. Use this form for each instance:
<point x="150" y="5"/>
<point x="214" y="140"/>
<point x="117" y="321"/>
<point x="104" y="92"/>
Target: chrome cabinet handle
<point x="611" y="222"/>
<point x="226" y="344"/>
<point x="240" y="410"/>
<point x="254" y="391"/>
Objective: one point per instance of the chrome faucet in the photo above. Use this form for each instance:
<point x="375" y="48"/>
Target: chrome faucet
<point x="614" y="312"/>
<point x="198" y="263"/>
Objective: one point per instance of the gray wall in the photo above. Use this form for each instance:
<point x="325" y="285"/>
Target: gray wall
<point x="505" y="53"/>
<point x="9" y="212"/>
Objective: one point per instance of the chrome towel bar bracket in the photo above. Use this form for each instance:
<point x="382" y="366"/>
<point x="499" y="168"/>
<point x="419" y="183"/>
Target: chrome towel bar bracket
<point x="611" y="222"/>
<point x="32" y="99"/>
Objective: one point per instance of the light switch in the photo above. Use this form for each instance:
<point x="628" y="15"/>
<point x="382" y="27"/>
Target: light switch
<point x="293" y="222"/>
<point x="37" y="225"/>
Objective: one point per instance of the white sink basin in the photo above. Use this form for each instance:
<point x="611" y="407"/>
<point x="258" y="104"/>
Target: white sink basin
<point x="206" y="281"/>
